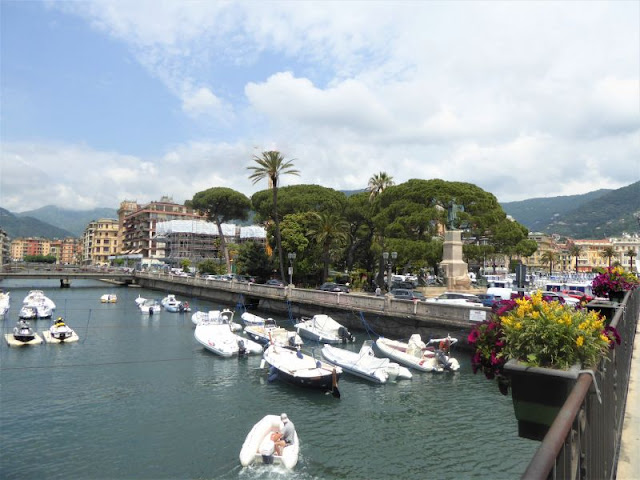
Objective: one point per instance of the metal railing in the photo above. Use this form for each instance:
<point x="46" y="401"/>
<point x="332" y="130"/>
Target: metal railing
<point x="584" y="440"/>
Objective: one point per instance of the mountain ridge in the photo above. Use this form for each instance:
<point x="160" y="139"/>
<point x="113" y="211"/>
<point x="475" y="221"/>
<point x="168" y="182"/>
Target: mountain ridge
<point x="598" y="214"/>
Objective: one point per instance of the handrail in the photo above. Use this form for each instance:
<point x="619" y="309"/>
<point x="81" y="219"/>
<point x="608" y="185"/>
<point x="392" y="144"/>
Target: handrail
<point x="584" y="439"/>
<point x="545" y="457"/>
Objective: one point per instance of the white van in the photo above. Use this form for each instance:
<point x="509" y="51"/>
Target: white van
<point x="500" y="293"/>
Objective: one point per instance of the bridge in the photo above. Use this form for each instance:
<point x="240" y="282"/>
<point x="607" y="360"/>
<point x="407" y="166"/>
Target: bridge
<point x="66" y="275"/>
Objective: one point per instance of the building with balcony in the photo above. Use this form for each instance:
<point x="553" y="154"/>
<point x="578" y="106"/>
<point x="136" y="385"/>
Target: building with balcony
<point x="5" y="248"/>
<point x="139" y="227"/>
<point x="99" y="241"/>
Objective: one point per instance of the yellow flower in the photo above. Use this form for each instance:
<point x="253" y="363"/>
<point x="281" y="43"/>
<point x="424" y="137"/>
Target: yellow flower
<point x="518" y="326"/>
<point x="579" y="341"/>
<point x="604" y="338"/>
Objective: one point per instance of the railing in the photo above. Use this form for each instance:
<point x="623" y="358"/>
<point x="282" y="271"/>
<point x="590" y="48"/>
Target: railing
<point x="457" y="315"/>
<point x="584" y="440"/>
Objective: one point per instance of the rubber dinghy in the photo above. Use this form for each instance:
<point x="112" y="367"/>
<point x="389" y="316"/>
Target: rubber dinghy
<point x="323" y="329"/>
<point x="365" y="364"/>
<point x="415" y="354"/>
<point x="258" y="447"/>
<point x="219" y="339"/>
<point x="292" y="366"/>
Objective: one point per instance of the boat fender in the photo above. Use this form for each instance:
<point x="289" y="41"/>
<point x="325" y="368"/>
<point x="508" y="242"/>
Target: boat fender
<point x="272" y="377"/>
<point x="318" y="364"/>
<point x="298" y="354"/>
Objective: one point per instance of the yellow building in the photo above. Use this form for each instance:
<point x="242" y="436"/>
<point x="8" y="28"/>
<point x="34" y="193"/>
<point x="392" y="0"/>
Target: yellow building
<point x="99" y="242"/>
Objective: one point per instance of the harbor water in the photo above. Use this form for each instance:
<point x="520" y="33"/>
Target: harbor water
<point x="138" y="398"/>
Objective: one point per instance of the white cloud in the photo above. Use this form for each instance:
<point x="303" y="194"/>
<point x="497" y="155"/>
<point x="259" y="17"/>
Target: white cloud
<point x="524" y="99"/>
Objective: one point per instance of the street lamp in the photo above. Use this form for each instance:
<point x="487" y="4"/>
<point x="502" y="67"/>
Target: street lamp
<point x="292" y="257"/>
<point x="385" y="255"/>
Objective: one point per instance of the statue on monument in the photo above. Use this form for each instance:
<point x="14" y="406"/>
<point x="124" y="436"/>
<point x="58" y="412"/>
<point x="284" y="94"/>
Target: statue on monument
<point x="452" y="214"/>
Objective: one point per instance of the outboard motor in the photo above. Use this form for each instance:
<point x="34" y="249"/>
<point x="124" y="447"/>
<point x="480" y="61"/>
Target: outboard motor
<point x="242" y="349"/>
<point x="345" y="335"/>
<point x="150" y="310"/>
<point x="442" y="359"/>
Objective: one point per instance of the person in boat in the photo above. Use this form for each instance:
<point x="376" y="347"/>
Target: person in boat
<point x="59" y="322"/>
<point x="286" y="436"/>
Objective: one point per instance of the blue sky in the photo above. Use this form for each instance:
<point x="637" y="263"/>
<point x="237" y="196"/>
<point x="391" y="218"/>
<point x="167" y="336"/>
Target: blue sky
<point x="103" y="101"/>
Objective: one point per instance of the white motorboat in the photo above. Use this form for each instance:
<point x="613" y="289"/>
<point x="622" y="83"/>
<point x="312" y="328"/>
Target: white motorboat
<point x="250" y="319"/>
<point x="140" y="300"/>
<point x="365" y="364"/>
<point x="109" y="298"/>
<point x="323" y="329"/>
<point x="171" y="304"/>
<point x="60" y="332"/>
<point x="43" y="308"/>
<point x="217" y="337"/>
<point x="215" y="316"/>
<point x="417" y="355"/>
<point x="292" y="366"/>
<point x="28" y="312"/>
<point x="149" y="306"/>
<point x="259" y="446"/>
<point x="5" y="302"/>
<point x="271" y="333"/>
<point x="38" y="296"/>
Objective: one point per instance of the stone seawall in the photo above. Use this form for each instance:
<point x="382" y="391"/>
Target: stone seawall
<point x="359" y="312"/>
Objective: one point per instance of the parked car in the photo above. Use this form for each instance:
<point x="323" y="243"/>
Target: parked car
<point x="488" y="299"/>
<point x="561" y="297"/>
<point x="333" y="287"/>
<point x="395" y="284"/>
<point x="274" y="282"/>
<point x="579" y="295"/>
<point x="457" y="298"/>
<point x="407" y="294"/>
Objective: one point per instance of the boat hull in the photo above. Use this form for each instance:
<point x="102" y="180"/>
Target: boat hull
<point x="296" y="368"/>
<point x="364" y="365"/>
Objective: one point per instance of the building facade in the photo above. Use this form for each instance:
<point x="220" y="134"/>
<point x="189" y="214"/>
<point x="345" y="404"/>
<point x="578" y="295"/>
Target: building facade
<point x="198" y="240"/>
<point x="99" y="242"/>
<point x="139" y="227"/>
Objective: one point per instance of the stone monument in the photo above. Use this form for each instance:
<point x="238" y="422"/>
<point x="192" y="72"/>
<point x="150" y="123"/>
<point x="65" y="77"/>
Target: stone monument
<point x="455" y="269"/>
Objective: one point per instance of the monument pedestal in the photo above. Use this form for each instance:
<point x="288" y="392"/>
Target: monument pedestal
<point x="454" y="268"/>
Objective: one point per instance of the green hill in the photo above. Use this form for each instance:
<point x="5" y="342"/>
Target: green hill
<point x="598" y="214"/>
<point x="26" y="226"/>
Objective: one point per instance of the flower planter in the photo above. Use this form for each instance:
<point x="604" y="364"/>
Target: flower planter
<point x="607" y="308"/>
<point x="538" y="394"/>
<point x="617" y="296"/>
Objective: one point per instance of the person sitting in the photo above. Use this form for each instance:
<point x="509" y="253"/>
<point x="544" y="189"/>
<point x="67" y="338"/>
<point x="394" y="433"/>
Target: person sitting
<point x="286" y="436"/>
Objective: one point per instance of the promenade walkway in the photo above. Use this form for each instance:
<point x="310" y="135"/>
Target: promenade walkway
<point x="629" y="460"/>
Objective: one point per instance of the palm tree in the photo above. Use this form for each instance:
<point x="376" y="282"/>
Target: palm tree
<point x="548" y="257"/>
<point x="378" y="183"/>
<point x="608" y="252"/>
<point x="631" y="253"/>
<point x="575" y="251"/>
<point x="328" y="228"/>
<point x="272" y="165"/>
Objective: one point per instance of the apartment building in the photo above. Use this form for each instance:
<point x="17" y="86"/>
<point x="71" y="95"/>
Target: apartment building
<point x="139" y="226"/>
<point x="5" y="248"/>
<point x="31" y="246"/>
<point x="99" y="241"/>
<point x="197" y="240"/>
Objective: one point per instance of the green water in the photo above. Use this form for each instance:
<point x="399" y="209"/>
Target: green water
<point x="138" y="398"/>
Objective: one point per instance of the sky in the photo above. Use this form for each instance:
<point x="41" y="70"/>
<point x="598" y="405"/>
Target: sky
<point x="105" y="101"/>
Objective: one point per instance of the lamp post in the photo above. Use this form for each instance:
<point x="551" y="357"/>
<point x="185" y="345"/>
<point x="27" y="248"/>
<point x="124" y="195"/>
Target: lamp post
<point x="389" y="263"/>
<point x="292" y="257"/>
